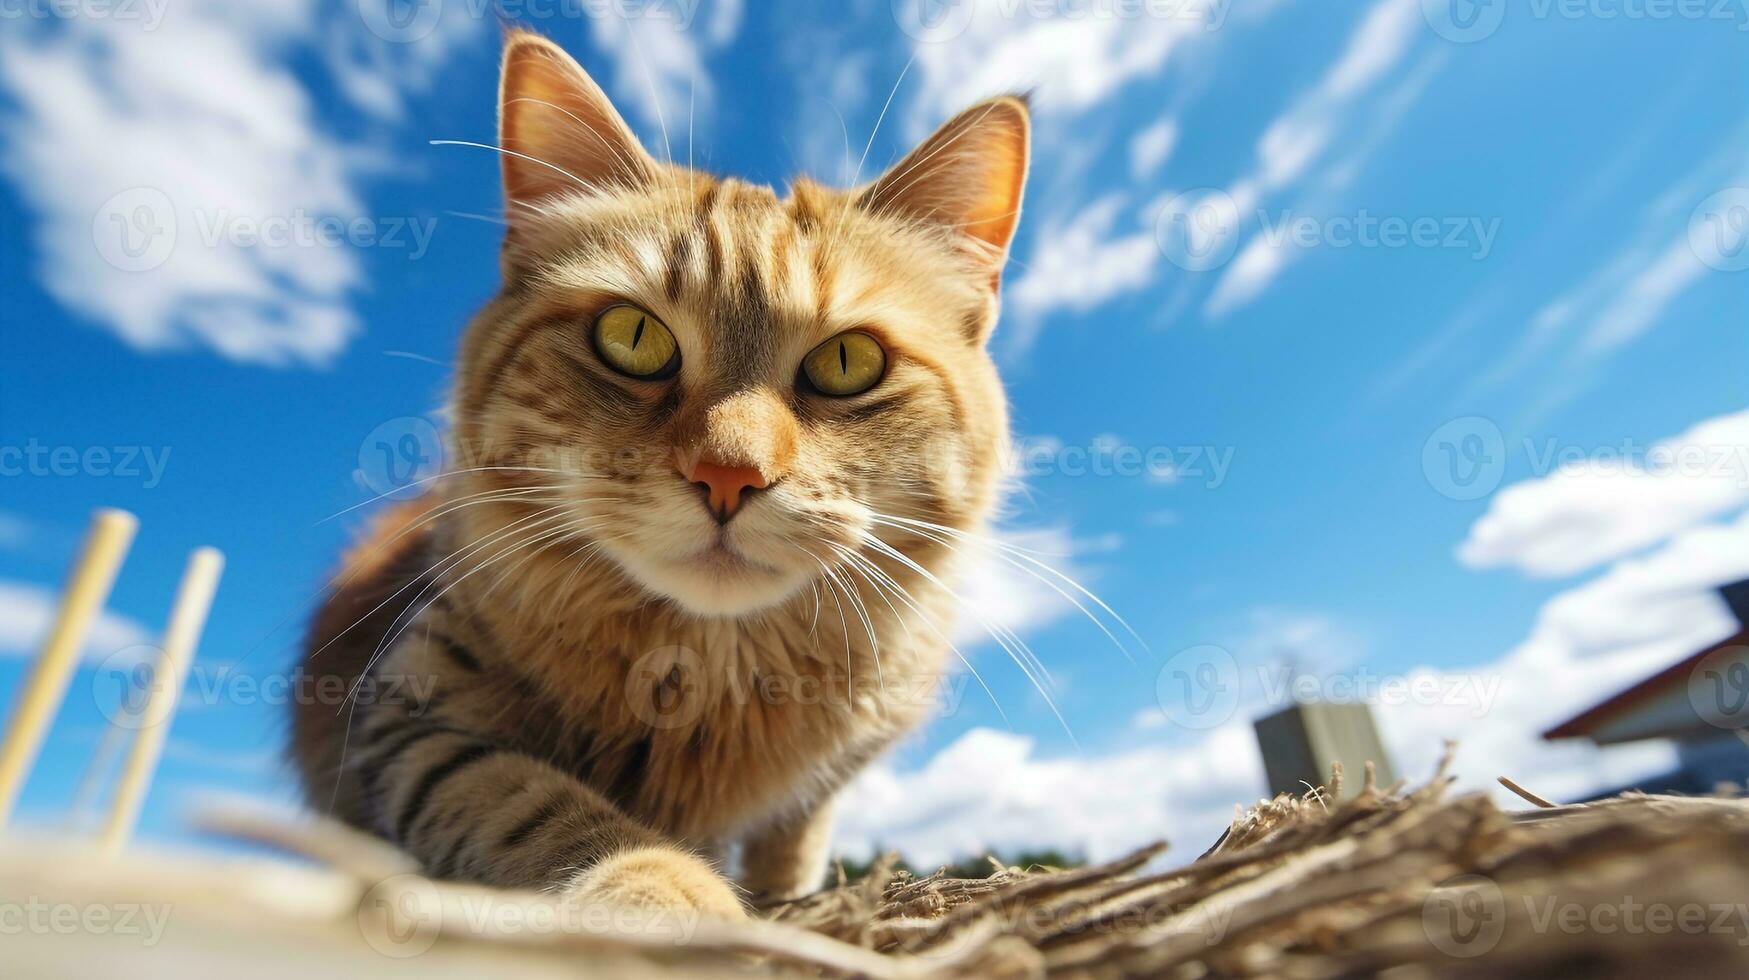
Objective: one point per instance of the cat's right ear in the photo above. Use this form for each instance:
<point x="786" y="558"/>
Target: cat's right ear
<point x="559" y="132"/>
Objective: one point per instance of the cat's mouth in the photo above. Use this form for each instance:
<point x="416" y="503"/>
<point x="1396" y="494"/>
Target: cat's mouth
<point x="718" y="553"/>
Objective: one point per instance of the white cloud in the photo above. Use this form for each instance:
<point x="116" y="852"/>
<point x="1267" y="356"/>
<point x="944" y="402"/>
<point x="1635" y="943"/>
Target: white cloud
<point x="1078" y="264"/>
<point x="26" y="611"/>
<point x="989" y="790"/>
<point x="1642" y="300"/>
<point x="148" y="156"/>
<point x="659" y="69"/>
<point x="1013" y="593"/>
<point x="1625" y="295"/>
<point x="1588" y="513"/>
<point x="1303" y="135"/>
<point x="1152" y="147"/>
<point x="1249" y="274"/>
<point x="1069" y="62"/>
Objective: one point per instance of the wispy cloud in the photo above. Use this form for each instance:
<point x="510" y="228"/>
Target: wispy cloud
<point x="1080" y="262"/>
<point x="27" y="610"/>
<point x="659" y="67"/>
<point x="1333" y="113"/>
<point x="1151" y="147"/>
<point x="179" y="174"/>
<point x="1621" y="298"/>
<point x="1603" y="507"/>
<point x="1070" y="61"/>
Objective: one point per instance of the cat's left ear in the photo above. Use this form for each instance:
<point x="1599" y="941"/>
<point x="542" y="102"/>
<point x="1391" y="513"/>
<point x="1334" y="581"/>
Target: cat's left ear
<point x="968" y="177"/>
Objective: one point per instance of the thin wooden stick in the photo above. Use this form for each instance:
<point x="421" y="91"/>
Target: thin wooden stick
<point x="1529" y="797"/>
<point x="194" y="598"/>
<point x="106" y="546"/>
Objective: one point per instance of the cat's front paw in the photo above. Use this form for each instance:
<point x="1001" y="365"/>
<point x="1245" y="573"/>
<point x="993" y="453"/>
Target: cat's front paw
<point x="657" y="879"/>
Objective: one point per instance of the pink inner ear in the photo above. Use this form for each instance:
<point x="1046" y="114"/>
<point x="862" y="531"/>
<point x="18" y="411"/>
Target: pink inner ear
<point x="968" y="175"/>
<point x="562" y="132"/>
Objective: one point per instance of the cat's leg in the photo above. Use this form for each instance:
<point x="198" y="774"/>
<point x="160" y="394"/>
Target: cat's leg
<point x="788" y="858"/>
<point x="469" y="807"/>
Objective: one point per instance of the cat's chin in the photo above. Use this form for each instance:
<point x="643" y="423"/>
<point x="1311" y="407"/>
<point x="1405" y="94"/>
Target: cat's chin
<point x="716" y="583"/>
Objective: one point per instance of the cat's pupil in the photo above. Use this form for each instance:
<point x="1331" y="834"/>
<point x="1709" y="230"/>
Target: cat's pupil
<point x="638" y="334"/>
<point x="843" y="358"/>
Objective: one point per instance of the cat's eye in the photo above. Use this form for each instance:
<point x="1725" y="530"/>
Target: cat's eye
<point x="636" y="344"/>
<point x="848" y="364"/>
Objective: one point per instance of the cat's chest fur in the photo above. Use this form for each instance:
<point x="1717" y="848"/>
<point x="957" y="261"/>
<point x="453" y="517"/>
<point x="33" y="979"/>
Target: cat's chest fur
<point x="702" y="728"/>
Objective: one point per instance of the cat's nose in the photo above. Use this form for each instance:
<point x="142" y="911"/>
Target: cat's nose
<point x="727" y="486"/>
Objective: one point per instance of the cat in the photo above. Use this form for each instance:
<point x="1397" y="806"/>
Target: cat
<point x="691" y="565"/>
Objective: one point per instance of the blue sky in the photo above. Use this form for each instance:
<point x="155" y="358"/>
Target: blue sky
<point x="1385" y="411"/>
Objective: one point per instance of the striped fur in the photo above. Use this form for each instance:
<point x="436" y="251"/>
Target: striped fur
<point x="619" y="692"/>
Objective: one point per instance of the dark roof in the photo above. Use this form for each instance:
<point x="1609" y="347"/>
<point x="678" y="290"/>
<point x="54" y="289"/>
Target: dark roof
<point x="1587" y="721"/>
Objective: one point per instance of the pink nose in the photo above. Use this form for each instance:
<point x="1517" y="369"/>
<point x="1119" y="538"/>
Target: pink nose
<point x="726" y="484"/>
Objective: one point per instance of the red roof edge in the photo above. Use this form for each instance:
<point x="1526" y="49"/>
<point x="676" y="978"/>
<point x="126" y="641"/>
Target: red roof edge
<point x="1586" y="721"/>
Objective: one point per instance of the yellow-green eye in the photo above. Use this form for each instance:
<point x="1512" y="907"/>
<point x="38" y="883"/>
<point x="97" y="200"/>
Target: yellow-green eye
<point x="848" y="364"/>
<point x="635" y="343"/>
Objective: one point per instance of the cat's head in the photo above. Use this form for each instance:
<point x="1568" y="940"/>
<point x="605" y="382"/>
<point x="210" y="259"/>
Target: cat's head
<point x="720" y="387"/>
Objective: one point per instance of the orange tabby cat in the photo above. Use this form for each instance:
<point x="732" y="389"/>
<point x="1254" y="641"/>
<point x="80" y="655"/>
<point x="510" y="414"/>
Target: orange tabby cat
<point x="693" y="569"/>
